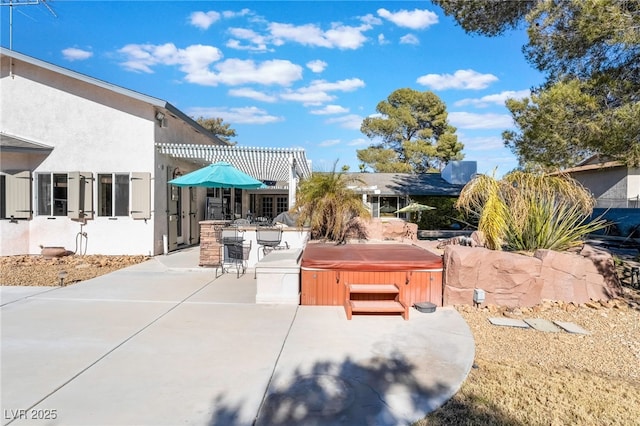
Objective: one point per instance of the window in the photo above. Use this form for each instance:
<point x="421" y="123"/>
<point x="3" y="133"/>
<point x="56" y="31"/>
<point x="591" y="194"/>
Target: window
<point x="282" y="205"/>
<point x="237" y="200"/>
<point x="267" y="206"/>
<point x="52" y="194"/>
<point x="388" y="206"/>
<point x="44" y="194"/>
<point x="113" y="194"/>
<point x="72" y="195"/>
<point x="3" y="197"/>
<point x="213" y="192"/>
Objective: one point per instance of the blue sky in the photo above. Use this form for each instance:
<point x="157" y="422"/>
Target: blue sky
<point x="288" y="74"/>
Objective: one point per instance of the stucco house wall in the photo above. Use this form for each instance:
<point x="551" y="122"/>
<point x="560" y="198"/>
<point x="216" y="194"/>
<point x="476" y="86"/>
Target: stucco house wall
<point x="616" y="188"/>
<point x="613" y="183"/>
<point x="611" y="187"/>
<point x="87" y="126"/>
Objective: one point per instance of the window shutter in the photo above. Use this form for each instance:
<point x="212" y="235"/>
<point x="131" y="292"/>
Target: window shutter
<point x="18" y="195"/>
<point x="140" y="195"/>
<point x="80" y="195"/>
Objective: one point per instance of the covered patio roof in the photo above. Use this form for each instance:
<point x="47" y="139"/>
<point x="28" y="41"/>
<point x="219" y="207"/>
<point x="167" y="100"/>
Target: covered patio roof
<point x="266" y="164"/>
<point x="11" y="143"/>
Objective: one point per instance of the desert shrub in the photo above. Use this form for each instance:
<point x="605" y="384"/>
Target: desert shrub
<point x="528" y="211"/>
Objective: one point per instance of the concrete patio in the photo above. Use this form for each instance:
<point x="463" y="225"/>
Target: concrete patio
<point x="165" y="342"/>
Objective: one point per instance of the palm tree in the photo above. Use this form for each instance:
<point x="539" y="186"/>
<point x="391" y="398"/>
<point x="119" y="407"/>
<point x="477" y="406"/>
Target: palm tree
<point x="331" y="209"/>
<point x="529" y="211"/>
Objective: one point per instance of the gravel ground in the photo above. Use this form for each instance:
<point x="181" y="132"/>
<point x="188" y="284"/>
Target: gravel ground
<point x="612" y="349"/>
<point x="529" y="377"/>
<point x="38" y="271"/>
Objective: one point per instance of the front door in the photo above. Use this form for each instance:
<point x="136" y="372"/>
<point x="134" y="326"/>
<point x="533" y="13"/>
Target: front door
<point x="173" y="215"/>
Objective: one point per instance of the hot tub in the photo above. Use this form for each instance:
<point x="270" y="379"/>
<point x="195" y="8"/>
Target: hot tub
<point x="327" y="269"/>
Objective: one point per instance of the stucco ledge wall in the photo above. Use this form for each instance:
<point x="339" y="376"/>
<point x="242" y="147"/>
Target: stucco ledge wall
<point x="517" y="280"/>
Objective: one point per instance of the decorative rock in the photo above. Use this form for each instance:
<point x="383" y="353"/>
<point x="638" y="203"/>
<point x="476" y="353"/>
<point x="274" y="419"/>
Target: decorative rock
<point x="514" y="315"/>
<point x="570" y="307"/>
<point x="54" y="252"/>
<point x="513" y="279"/>
<point x="391" y="229"/>
<point x="478" y="239"/>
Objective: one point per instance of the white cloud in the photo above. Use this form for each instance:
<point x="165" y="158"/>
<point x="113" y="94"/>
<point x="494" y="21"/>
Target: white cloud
<point x="494" y="99"/>
<point x="194" y="59"/>
<point x="204" y="20"/>
<point x="195" y="62"/>
<point x="468" y="120"/>
<point x="236" y="71"/>
<point x="409" y="39"/>
<point x="256" y="42"/>
<point x="351" y="121"/>
<point x="246" y="92"/>
<point x="347" y="85"/>
<point x="481" y="143"/>
<point x="461" y="79"/>
<point x="230" y="14"/>
<point x="382" y="40"/>
<point x="317" y="66"/>
<point x="329" y="142"/>
<point x="371" y="19"/>
<point x="416" y="19"/>
<point x="317" y="92"/>
<point x="74" y="54"/>
<point x="359" y="142"/>
<point x="246" y="115"/>
<point x="330" y="109"/>
<point x="307" y="98"/>
<point x="339" y="36"/>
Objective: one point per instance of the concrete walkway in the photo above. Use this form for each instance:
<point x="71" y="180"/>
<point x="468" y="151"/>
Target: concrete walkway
<point x="166" y="343"/>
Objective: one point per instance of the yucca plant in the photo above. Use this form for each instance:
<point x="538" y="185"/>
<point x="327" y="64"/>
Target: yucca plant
<point x="526" y="211"/>
<point x="481" y="197"/>
<point x="325" y="203"/>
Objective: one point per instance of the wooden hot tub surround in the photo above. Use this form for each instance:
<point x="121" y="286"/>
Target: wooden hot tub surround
<point x="340" y="274"/>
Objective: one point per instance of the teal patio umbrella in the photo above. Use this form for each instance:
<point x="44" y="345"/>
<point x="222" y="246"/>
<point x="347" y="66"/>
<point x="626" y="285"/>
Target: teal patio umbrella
<point x="218" y="175"/>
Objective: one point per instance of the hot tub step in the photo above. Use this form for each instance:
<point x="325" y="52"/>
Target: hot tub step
<point x="374" y="288"/>
<point x="376" y="306"/>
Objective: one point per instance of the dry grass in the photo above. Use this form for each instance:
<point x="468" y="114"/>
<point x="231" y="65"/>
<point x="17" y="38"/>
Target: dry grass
<point x="528" y="377"/>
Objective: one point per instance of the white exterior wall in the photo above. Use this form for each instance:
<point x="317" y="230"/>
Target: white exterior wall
<point x="15" y="237"/>
<point x="633" y="184"/>
<point x="96" y="129"/>
<point x="91" y="129"/>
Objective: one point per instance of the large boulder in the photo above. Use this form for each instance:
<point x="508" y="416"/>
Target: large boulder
<point x="513" y="279"/>
<point x="387" y="229"/>
<point x="508" y="279"/>
<point x="578" y="277"/>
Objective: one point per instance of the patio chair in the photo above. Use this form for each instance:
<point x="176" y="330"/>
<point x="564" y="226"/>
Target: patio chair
<point x="269" y="239"/>
<point x="234" y="251"/>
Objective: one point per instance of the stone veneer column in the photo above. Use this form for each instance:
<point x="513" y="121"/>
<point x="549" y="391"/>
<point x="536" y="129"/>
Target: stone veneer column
<point x="209" y="242"/>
